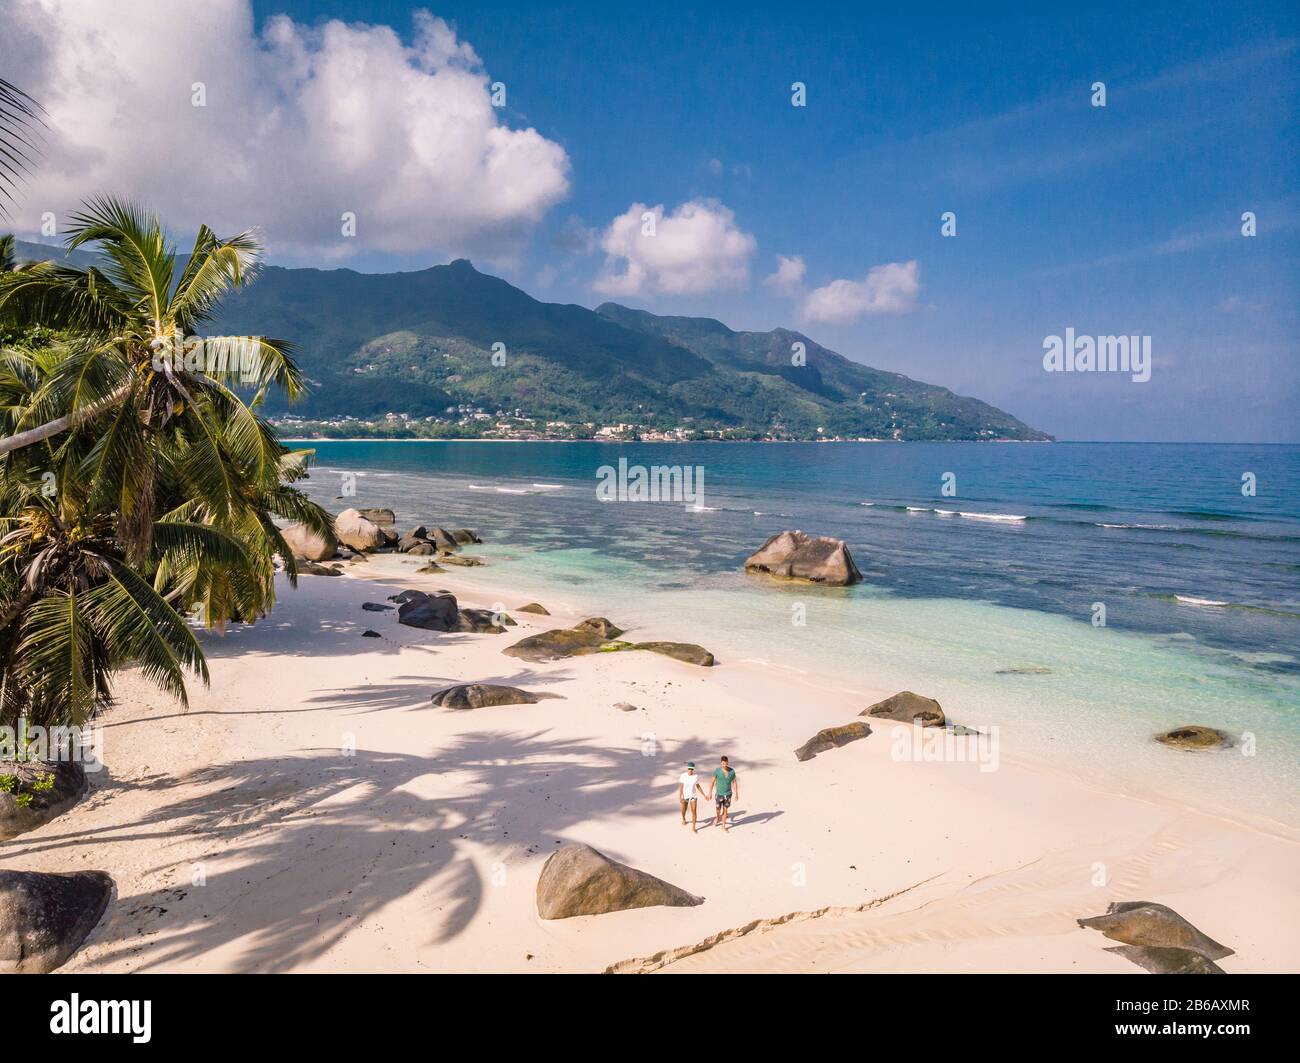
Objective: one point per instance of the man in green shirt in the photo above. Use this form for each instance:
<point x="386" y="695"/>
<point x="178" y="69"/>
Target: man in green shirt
<point x="722" y="788"/>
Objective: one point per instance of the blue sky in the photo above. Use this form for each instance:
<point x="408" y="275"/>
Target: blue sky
<point x="1122" y="219"/>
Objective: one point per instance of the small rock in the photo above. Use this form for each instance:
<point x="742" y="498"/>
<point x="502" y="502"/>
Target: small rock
<point x="1155" y="926"/>
<point x="533" y="607"/>
<point x="1195" y="738"/>
<point x="626" y="706"/>
<point x="680" y="651"/>
<point x="832" y="738"/>
<point x="53" y="787"/>
<point x="368" y="634"/>
<point x="375" y="607"/>
<point x="483" y="695"/>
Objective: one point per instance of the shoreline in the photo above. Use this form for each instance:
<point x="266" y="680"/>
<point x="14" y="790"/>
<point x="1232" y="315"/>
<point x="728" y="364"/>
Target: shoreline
<point x="420" y="849"/>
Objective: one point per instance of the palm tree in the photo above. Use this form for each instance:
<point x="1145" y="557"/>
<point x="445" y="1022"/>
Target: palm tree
<point x="19" y="113"/>
<point x="134" y="479"/>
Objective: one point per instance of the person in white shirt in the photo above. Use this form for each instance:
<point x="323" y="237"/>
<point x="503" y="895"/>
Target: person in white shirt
<point x="688" y="792"/>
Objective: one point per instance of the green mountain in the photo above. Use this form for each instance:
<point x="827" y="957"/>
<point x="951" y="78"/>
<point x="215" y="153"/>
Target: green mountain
<point x="420" y="342"/>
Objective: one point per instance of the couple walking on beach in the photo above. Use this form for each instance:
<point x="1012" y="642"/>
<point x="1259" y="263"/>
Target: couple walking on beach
<point x="722" y="788"/>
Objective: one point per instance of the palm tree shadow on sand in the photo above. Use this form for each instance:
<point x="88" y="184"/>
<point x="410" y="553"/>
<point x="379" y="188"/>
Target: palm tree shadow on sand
<point x="299" y="850"/>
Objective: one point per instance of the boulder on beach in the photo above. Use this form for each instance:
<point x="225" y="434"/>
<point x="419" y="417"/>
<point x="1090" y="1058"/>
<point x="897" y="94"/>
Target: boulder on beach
<point x="376" y="607"/>
<point x="420" y="550"/>
<point x="33" y="792"/>
<point x="432" y="612"/>
<point x="483" y="695"/>
<point x="832" y="738"/>
<point x="308" y="544"/>
<point x="463" y="562"/>
<point x="368" y="634"/>
<point x="466" y="535"/>
<point x="794" y="555"/>
<point x="906" y="707"/>
<point x="578" y="880"/>
<point x="44" y="917"/>
<point x="687" y="652"/>
<point x="589" y="636"/>
<point x="1168" y="961"/>
<point x="1194" y="737"/>
<point x="443" y="539"/>
<point x="1153" y="925"/>
<point x="379" y="515"/>
<point x="533" y="607"/>
<point x="353" y="530"/>
<point x="484" y="621"/>
<point x="311" y="568"/>
<point x="429" y="569"/>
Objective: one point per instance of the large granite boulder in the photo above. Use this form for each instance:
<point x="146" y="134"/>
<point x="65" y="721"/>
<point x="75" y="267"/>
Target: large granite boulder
<point x="34" y="792"/>
<point x="354" y="531"/>
<point x="906" y="707"/>
<point x="466" y="535"/>
<point x="305" y="543"/>
<point x="45" y="917"/>
<point x="578" y="880"/>
<point x="687" y="652"/>
<point x="483" y="695"/>
<point x="419" y="550"/>
<point x="1153" y="925"/>
<point x="432" y="612"/>
<point x="443" y="539"/>
<point x="379" y="516"/>
<point x="313" y="568"/>
<point x="794" y="555"/>
<point x="1195" y="738"/>
<point x="589" y="636"/>
<point x="832" y="738"/>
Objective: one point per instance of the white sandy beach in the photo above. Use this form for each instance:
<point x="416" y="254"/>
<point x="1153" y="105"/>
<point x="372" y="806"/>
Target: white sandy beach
<point x="313" y="812"/>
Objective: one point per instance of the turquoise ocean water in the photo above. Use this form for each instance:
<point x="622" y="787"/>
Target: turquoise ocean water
<point x="984" y="597"/>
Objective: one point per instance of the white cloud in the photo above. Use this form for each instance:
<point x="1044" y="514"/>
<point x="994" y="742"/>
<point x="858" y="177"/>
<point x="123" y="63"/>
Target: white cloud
<point x="697" y="248"/>
<point x="888" y="289"/>
<point x="301" y="124"/>
<point x="789" y="274"/>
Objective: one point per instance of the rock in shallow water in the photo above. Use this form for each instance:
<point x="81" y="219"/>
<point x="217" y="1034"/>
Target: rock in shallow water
<point x="44" y="918"/>
<point x="832" y="738"/>
<point x="1195" y="738"/>
<point x="579" y="880"/>
<point x="795" y="555"/>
